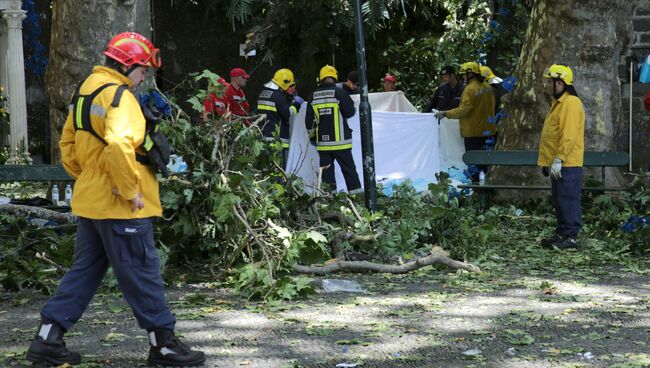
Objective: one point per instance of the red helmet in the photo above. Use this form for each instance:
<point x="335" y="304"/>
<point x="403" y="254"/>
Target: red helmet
<point x="130" y="48"/>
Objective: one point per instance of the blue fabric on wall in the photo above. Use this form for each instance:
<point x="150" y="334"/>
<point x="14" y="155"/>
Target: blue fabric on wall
<point x="645" y="71"/>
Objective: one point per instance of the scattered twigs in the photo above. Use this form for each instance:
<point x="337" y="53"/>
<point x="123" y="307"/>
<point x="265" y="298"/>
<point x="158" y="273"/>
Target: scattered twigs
<point x="176" y="179"/>
<point x="354" y="209"/>
<point x="43" y="257"/>
<point x="241" y="216"/>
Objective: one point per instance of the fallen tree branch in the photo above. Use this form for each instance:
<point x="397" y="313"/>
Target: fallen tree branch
<point x="336" y="215"/>
<point x="25" y="211"/>
<point x="437" y="256"/>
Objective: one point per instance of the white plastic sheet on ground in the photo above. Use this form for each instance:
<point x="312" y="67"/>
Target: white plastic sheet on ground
<point x="407" y="144"/>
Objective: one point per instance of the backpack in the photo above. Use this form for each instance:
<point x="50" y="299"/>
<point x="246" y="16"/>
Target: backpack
<point x="155" y="144"/>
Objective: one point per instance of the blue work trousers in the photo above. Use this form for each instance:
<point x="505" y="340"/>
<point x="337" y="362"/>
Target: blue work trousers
<point x="128" y="247"/>
<point x="566" y="196"/>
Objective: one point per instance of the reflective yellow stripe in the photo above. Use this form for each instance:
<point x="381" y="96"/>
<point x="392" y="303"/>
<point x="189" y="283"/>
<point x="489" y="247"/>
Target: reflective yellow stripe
<point x="285" y="145"/>
<point x="293" y="110"/>
<point x="315" y="131"/>
<point x="148" y="143"/>
<point x="144" y="46"/>
<point x="334" y="148"/>
<point x="335" y="113"/>
<point x="78" y="117"/>
<point x="265" y="107"/>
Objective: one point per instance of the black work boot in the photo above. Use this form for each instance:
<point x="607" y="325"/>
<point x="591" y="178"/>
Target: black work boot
<point x="567" y="242"/>
<point x="49" y="348"/>
<point x="168" y="350"/>
<point x="548" y="242"/>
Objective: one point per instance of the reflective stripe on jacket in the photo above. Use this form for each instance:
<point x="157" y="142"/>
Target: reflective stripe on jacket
<point x="563" y="134"/>
<point x="328" y="109"/>
<point x="476" y="106"/>
<point x="96" y="167"/>
<point x="276" y="105"/>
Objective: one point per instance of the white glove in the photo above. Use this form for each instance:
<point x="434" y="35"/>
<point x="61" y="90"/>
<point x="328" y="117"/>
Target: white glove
<point x="556" y="169"/>
<point x="440" y="114"/>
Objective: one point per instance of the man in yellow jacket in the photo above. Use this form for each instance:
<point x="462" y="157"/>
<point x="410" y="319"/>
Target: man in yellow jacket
<point x="561" y="154"/>
<point x="115" y="198"/>
<point x="476" y="106"/>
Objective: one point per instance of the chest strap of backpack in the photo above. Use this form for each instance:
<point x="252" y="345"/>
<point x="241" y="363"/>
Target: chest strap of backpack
<point x="82" y="105"/>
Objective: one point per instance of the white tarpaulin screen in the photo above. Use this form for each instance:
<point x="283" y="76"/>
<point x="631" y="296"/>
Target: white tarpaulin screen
<point x="387" y="101"/>
<point x="406" y="144"/>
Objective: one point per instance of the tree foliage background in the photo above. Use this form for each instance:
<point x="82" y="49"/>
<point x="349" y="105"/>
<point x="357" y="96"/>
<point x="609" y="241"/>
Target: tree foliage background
<point x="412" y="39"/>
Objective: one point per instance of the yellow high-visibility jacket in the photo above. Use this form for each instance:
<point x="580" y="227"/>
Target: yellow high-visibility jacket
<point x="476" y="106"/>
<point x="563" y="134"/>
<point x="99" y="167"/>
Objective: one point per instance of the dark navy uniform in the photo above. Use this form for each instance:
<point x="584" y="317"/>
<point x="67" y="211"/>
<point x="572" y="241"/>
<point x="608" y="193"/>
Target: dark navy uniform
<point x="278" y="107"/>
<point x="328" y="109"/>
<point x="445" y="98"/>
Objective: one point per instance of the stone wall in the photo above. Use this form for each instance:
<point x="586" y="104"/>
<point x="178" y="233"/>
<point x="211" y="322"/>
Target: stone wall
<point x="638" y="49"/>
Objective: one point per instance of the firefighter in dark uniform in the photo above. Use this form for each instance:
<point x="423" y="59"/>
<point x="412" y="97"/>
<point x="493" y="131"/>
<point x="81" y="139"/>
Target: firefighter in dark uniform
<point x="447" y="95"/>
<point x="279" y="101"/>
<point x="116" y="198"/>
<point x="328" y="109"/>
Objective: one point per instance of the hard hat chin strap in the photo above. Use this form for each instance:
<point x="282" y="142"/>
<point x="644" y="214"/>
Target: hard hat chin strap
<point x="129" y="70"/>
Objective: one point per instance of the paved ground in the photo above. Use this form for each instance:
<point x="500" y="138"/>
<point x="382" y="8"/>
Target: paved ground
<point x="591" y="318"/>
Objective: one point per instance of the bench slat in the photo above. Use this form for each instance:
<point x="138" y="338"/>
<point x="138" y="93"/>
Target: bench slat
<point x="9" y="173"/>
<point x="536" y="187"/>
<point x="529" y="158"/>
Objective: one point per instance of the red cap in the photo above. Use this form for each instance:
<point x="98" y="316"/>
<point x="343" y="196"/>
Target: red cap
<point x="390" y="78"/>
<point x="239" y="72"/>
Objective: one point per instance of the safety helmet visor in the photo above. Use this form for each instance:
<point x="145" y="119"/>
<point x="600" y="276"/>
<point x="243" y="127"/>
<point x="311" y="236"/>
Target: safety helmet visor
<point x="154" y="60"/>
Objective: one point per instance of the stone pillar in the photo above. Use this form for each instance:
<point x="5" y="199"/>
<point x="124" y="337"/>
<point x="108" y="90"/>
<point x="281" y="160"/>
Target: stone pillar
<point x="4" y="140"/>
<point x="15" y="88"/>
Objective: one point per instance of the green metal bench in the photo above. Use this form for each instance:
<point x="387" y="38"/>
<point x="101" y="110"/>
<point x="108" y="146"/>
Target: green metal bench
<point x="36" y="173"/>
<point x="11" y="173"/>
<point x="529" y="158"/>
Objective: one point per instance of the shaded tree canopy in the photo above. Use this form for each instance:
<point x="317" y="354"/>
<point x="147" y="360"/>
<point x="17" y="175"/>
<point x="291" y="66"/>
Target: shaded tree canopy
<point x="412" y="39"/>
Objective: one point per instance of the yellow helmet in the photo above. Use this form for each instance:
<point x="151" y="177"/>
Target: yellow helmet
<point x="470" y="66"/>
<point x="284" y="78"/>
<point x="559" y="71"/>
<point x="328" y="71"/>
<point x="486" y="72"/>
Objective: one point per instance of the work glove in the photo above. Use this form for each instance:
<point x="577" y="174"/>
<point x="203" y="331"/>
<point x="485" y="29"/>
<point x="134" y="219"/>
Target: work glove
<point x="440" y="114"/>
<point x="556" y="169"/>
<point x="298" y="99"/>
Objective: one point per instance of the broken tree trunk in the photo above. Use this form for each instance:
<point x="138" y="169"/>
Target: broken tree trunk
<point x="437" y="256"/>
<point x="43" y="213"/>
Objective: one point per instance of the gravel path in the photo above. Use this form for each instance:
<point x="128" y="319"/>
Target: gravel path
<point x="593" y="318"/>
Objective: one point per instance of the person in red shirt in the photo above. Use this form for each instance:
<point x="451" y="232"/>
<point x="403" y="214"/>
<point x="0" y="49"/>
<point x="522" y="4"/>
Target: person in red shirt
<point x="233" y="99"/>
<point x="214" y="103"/>
<point x="390" y="83"/>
